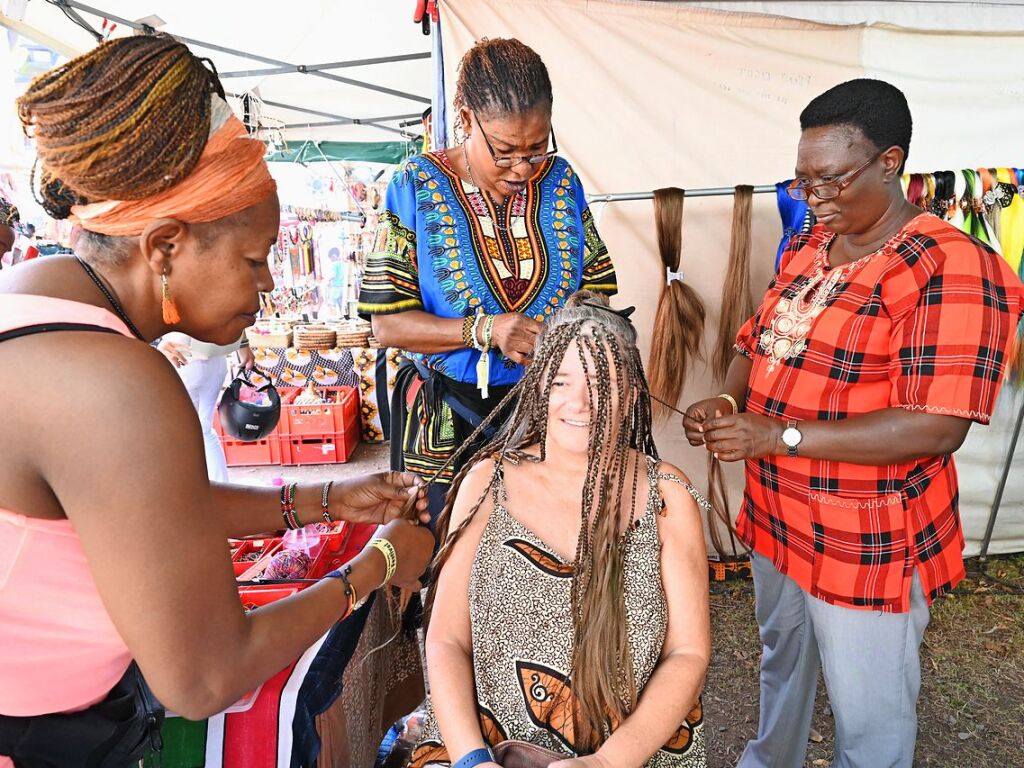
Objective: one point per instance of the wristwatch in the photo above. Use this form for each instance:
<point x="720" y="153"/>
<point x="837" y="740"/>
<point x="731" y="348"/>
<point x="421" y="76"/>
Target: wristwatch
<point x="791" y="438"/>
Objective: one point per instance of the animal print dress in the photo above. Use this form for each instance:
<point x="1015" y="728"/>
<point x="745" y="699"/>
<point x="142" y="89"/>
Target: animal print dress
<point x="522" y="685"/>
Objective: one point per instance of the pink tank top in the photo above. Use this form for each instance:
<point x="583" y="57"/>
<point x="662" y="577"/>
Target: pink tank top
<point x="60" y="650"/>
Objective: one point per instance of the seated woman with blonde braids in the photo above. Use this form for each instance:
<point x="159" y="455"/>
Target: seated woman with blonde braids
<point x="570" y="602"/>
<point x="112" y="539"/>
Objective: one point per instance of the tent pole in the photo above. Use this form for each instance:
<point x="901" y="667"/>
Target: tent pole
<point x="342" y="120"/>
<point x="701" y="192"/>
<point x="307" y="68"/>
<point x="359" y="121"/>
<point x="342" y="179"/>
<point x="998" y="500"/>
<point x="234" y="52"/>
<point x="37" y="36"/>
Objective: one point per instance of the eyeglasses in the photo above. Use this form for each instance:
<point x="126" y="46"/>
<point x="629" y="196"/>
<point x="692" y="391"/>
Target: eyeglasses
<point x="828" y="189"/>
<point x="512" y="162"/>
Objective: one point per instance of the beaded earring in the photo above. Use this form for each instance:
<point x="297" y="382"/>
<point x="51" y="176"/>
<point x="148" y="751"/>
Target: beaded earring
<point x="167" y="305"/>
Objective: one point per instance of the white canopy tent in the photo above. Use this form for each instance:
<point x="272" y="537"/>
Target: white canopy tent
<point x="324" y="70"/>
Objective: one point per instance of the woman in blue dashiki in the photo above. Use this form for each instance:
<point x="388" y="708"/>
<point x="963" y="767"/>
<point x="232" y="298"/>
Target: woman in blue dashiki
<point x="476" y="247"/>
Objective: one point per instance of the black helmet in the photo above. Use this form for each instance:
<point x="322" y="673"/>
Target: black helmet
<point x="248" y="421"/>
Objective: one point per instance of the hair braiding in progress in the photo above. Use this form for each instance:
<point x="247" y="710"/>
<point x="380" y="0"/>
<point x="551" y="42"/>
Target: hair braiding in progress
<point x="620" y="406"/>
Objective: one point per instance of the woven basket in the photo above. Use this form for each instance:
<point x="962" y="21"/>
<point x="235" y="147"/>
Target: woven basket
<point x="353" y="340"/>
<point x="311" y="337"/>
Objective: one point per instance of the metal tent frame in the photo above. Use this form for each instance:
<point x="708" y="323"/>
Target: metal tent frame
<point x="71" y="9"/>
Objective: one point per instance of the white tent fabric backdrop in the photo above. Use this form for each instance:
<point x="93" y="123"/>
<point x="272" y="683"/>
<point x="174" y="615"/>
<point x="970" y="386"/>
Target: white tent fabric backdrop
<point x="655" y="94"/>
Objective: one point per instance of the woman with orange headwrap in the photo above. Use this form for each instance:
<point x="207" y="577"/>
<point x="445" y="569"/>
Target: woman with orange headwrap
<point x="111" y="537"/>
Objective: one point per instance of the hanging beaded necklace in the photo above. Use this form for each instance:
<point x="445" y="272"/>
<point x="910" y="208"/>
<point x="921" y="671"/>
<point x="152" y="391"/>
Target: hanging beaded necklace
<point x="114" y="303"/>
<point x="504" y="205"/>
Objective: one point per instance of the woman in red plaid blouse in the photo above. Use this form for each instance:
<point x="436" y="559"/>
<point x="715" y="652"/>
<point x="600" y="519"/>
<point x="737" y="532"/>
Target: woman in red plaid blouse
<point x="885" y="334"/>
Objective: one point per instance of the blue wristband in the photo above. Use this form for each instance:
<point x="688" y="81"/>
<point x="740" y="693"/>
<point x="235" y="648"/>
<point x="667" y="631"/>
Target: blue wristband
<point x="476" y="757"/>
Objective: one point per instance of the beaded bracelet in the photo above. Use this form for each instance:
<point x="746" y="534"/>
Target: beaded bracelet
<point x="291" y="520"/>
<point x="488" y="333"/>
<point x="468" y="324"/>
<point x="350" y="591"/>
<point x="325" y="499"/>
<point x="477" y="320"/>
<point x="387" y="549"/>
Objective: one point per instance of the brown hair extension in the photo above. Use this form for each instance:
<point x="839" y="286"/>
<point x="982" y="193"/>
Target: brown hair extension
<point x="718" y="497"/>
<point x="737" y="301"/>
<point x="124" y="121"/>
<point x="679" y="322"/>
<point x="602" y="670"/>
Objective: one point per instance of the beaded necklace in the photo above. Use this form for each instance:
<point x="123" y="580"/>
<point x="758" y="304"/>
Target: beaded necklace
<point x="114" y="303"/>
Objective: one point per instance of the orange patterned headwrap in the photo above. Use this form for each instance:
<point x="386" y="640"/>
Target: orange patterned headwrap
<point x="231" y="175"/>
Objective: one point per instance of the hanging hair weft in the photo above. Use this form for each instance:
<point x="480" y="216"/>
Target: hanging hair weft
<point x="737" y="301"/>
<point x="679" y="322"/>
<point x="719" y="515"/>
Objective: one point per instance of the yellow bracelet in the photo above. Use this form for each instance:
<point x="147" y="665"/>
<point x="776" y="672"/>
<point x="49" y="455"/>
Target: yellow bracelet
<point x="387" y="549"/>
<point x="731" y="400"/>
<point x="353" y="598"/>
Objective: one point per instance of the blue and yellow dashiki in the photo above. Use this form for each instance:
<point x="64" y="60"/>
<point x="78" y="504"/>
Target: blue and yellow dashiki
<point x="438" y="250"/>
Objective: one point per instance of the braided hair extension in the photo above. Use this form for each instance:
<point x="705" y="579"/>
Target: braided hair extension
<point x="621" y="432"/>
<point x="679" y="322"/>
<point x="719" y="515"/>
<point x="737" y="301"/>
<point x="124" y="121"/>
<point x="502" y="77"/>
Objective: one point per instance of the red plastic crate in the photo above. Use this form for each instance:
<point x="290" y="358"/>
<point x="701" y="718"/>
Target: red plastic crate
<point x="340" y="547"/>
<point x="348" y="437"/>
<point x="241" y="453"/>
<point x="266" y="547"/>
<point x="334" y="447"/>
<point x="324" y="418"/>
<point x="309" y="449"/>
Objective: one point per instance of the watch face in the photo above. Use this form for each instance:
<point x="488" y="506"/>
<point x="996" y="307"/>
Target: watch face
<point x="792" y="437"/>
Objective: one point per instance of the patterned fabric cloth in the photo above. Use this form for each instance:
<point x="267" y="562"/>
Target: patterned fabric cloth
<point x="438" y="250"/>
<point x="521" y="623"/>
<point x="926" y="323"/>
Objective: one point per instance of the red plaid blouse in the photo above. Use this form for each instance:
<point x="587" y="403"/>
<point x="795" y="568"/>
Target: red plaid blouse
<point x="926" y="323"/>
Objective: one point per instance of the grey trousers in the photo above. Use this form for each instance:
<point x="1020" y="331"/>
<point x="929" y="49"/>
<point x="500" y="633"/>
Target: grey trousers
<point x="872" y="675"/>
